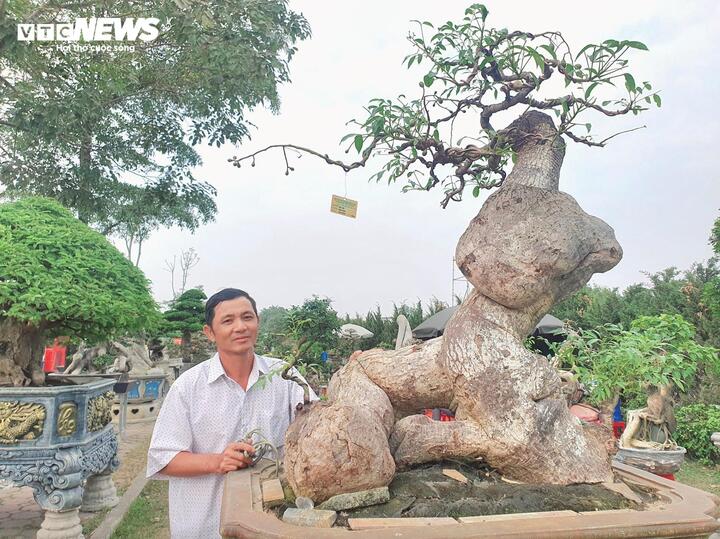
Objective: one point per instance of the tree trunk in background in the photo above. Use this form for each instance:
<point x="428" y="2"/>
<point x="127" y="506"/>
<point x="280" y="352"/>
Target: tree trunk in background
<point x="186" y="347"/>
<point x="529" y="246"/>
<point x="21" y="349"/>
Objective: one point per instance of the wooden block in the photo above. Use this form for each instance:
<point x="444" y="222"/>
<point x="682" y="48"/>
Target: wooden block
<point x="372" y="523"/>
<point x="516" y="516"/>
<point x="511" y="481"/>
<point x="272" y="493"/>
<point x="454" y="474"/>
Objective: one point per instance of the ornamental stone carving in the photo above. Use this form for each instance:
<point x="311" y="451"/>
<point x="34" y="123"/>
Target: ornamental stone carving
<point x="20" y="421"/>
<point x="67" y="419"/>
<point x="99" y="411"/>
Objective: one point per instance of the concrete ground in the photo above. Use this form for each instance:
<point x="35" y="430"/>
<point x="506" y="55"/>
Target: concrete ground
<point x="20" y="516"/>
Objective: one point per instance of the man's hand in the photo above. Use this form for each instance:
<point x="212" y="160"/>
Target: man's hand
<point x="235" y="456"/>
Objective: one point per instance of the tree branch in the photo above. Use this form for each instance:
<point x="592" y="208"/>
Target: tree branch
<point x="345" y="166"/>
<point x="601" y="144"/>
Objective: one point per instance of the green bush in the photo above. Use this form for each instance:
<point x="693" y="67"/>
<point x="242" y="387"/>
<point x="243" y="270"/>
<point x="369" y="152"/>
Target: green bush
<point x="695" y="425"/>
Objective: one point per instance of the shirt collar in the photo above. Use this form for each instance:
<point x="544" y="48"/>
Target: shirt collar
<point x="216" y="370"/>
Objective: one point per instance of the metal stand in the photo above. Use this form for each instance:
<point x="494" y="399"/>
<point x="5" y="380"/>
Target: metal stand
<point x="121" y="388"/>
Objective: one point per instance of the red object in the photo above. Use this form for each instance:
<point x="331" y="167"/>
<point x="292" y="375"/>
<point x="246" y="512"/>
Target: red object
<point x="618" y="428"/>
<point x="177" y="340"/>
<point x="669" y="476"/>
<point x="54" y="357"/>
<point x="439" y="414"/>
<point x="49" y="361"/>
<point x="586" y="413"/>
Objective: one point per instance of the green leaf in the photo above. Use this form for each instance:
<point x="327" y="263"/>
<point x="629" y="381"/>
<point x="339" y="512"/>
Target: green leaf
<point x="636" y="45"/>
<point x="586" y="47"/>
<point x="656" y="98"/>
<point x="612" y="43"/>
<point x="476" y="191"/>
<point x="428" y="79"/>
<point x="590" y="89"/>
<point x="630" y="83"/>
<point x="536" y="56"/>
<point x="550" y="49"/>
<point x="358" y="143"/>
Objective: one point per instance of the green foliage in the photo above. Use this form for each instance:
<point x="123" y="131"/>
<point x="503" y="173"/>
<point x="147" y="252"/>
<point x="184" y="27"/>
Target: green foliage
<point x="58" y="274"/>
<point x="655" y="351"/>
<point x="312" y="327"/>
<point x="470" y="67"/>
<point x="111" y="134"/>
<point x="103" y="362"/>
<point x="272" y="329"/>
<point x="187" y="313"/>
<point x="693" y="294"/>
<point x="715" y="236"/>
<point x="695" y="424"/>
<point x="300" y="334"/>
<point x="385" y="328"/>
<point x="590" y="307"/>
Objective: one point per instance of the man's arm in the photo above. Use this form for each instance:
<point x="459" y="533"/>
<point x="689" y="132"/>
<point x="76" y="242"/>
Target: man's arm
<point x="170" y="452"/>
<point x="186" y="464"/>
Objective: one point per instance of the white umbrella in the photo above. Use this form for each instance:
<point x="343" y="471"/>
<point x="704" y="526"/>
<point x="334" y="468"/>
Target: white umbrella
<point x="353" y="331"/>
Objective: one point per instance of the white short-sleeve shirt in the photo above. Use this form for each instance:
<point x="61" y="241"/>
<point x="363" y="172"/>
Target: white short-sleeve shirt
<point x="203" y="412"/>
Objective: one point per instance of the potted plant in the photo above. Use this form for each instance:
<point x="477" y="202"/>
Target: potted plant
<point x="59" y="277"/>
<point x="656" y="356"/>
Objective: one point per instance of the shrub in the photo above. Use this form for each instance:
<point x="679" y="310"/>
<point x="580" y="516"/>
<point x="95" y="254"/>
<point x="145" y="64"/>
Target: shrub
<point x="695" y="425"/>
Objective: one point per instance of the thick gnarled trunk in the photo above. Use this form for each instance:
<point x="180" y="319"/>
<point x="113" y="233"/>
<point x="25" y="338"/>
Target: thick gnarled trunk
<point x="21" y="348"/>
<point x="529" y="246"/>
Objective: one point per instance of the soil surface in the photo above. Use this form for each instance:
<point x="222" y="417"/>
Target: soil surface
<point x="425" y="491"/>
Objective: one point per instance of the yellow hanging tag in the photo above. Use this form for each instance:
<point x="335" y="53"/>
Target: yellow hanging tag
<point x="344" y="206"/>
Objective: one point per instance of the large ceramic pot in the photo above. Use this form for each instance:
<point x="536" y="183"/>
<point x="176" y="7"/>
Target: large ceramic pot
<point x="144" y="397"/>
<point x="59" y="440"/>
<point x="662" y="462"/>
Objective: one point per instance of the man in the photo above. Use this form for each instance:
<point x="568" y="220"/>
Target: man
<point x="201" y="429"/>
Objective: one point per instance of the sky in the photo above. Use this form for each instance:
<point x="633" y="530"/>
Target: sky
<point x="275" y="237"/>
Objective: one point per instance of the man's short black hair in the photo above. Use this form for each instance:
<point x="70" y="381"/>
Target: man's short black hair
<point x="224" y="295"/>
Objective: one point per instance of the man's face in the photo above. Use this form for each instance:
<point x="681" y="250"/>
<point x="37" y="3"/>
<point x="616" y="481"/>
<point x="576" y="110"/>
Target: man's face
<point x="234" y="327"/>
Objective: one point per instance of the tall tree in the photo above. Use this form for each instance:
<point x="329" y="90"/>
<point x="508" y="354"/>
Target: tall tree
<point x="112" y="135"/>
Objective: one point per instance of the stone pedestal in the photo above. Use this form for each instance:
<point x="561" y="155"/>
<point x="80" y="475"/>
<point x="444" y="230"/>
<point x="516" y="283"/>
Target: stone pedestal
<point x="61" y="525"/>
<point x="58" y="440"/>
<point x="99" y="493"/>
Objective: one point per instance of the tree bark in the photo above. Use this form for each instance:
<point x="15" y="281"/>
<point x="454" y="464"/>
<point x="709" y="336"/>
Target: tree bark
<point x="186" y="347"/>
<point x="21" y="353"/>
<point x="529" y="246"/>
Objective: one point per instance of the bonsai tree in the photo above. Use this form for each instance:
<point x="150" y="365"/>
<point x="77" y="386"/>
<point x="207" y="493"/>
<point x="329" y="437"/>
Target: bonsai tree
<point x="529" y="246"/>
<point x="656" y="356"/>
<point x="186" y="316"/>
<point x="58" y="276"/>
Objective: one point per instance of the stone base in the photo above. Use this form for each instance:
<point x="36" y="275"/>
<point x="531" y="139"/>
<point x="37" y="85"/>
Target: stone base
<point x="99" y="493"/>
<point x="61" y="525"/>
